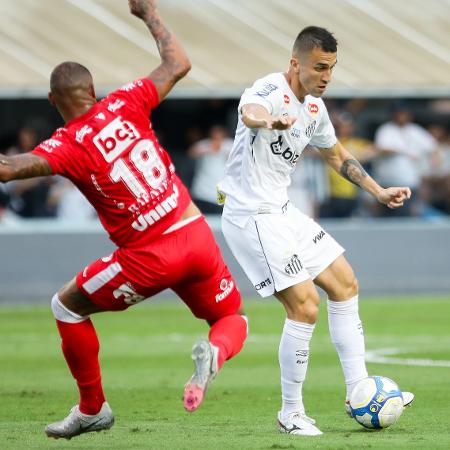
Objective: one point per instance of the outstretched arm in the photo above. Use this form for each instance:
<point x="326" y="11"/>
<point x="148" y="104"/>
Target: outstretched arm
<point x="346" y="164"/>
<point x="256" y="116"/>
<point x="174" y="62"/>
<point x="23" y="166"/>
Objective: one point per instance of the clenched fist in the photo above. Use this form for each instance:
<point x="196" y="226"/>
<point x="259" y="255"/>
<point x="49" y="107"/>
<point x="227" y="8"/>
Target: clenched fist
<point x="141" y="8"/>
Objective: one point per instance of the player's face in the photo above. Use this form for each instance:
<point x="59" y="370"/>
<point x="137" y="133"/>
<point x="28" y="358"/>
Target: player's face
<point x="315" y="70"/>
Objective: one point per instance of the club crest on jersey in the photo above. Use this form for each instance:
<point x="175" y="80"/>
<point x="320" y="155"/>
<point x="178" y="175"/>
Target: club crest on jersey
<point x="287" y="99"/>
<point x="294" y="266"/>
<point x="115" y="138"/>
<point x="313" y="109"/>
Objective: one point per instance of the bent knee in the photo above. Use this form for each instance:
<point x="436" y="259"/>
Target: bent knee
<point x="64" y="314"/>
<point x="305" y="309"/>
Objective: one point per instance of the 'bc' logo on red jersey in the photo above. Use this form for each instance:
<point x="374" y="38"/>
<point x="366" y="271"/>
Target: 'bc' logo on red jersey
<point x="115" y="138"/>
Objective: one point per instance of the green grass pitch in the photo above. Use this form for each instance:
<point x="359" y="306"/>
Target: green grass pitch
<point x="145" y="360"/>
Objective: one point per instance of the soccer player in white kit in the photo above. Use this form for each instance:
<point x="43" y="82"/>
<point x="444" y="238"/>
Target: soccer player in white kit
<point x="283" y="252"/>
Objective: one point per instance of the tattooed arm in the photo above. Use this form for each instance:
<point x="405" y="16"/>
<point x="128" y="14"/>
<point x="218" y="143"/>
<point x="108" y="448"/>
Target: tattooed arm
<point x="346" y="164"/>
<point x="23" y="166"/>
<point x="174" y="62"/>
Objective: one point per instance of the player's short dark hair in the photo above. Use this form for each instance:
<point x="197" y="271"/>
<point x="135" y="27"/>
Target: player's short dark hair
<point x="69" y="75"/>
<point x="314" y="37"/>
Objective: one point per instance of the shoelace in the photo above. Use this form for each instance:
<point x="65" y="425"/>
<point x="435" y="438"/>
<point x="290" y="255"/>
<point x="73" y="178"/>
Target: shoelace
<point x="304" y="417"/>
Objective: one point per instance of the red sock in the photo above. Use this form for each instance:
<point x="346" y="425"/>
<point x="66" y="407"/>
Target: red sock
<point x="80" y="347"/>
<point x="228" y="334"/>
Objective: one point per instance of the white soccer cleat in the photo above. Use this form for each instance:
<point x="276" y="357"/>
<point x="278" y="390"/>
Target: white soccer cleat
<point x="205" y="356"/>
<point x="408" y="398"/>
<point x="78" y="423"/>
<point x="298" y="423"/>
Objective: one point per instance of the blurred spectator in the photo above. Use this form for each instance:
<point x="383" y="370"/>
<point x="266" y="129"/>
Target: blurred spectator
<point x="28" y="198"/>
<point x="344" y="196"/>
<point x="402" y="146"/>
<point x="436" y="185"/>
<point x="69" y="203"/>
<point x="308" y="188"/>
<point x="211" y="155"/>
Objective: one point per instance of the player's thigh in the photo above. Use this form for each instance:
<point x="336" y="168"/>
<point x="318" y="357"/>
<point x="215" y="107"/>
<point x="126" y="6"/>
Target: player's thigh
<point x="109" y="285"/>
<point x="267" y="250"/>
<point x="338" y="280"/>
<point x="74" y="300"/>
<point x="208" y="288"/>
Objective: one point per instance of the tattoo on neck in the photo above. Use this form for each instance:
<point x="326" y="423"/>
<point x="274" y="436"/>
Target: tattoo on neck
<point x="352" y="171"/>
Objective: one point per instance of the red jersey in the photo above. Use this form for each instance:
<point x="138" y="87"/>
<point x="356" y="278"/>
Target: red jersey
<point x="112" y="155"/>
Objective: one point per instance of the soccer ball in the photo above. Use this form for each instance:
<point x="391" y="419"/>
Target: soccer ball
<point x="376" y="402"/>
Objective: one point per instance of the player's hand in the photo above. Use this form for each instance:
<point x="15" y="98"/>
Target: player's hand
<point x="394" y="197"/>
<point x="280" y="123"/>
<point x="141" y="8"/>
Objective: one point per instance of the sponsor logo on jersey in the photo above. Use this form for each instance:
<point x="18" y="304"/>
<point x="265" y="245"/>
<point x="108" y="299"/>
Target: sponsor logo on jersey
<point x="267" y="90"/>
<point x="318" y="237"/>
<point x="294" y="266"/>
<point x="287" y="99"/>
<point x="130" y="86"/>
<point x="115" y="138"/>
<point x="154" y="215"/>
<point x="226" y="287"/>
<point x="263" y="284"/>
<point x="100" y="116"/>
<point x="50" y="144"/>
<point x="277" y="149"/>
<point x="82" y="132"/>
<point x="114" y="106"/>
<point x="313" y="109"/>
<point x="310" y="129"/>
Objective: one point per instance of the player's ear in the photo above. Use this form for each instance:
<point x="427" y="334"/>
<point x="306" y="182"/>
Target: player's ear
<point x="294" y="64"/>
<point x="51" y="99"/>
<point x="92" y="91"/>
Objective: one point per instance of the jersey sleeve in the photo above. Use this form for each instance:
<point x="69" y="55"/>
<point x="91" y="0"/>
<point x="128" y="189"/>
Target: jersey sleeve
<point x="141" y="94"/>
<point x="57" y="152"/>
<point x="324" y="135"/>
<point x="261" y="93"/>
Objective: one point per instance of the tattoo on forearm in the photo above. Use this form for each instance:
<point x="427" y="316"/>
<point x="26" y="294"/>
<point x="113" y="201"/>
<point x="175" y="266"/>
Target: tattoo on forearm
<point x="167" y="49"/>
<point x="352" y="171"/>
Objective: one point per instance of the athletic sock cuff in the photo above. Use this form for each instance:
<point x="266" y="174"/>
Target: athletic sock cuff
<point x="343" y="307"/>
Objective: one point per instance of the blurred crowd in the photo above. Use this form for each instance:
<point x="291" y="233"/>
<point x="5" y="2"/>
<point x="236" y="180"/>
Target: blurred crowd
<point x="397" y="152"/>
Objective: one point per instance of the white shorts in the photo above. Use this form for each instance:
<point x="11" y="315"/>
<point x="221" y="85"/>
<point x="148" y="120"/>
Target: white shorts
<point x="277" y="251"/>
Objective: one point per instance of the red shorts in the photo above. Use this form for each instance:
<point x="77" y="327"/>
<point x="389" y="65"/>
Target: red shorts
<point x="186" y="260"/>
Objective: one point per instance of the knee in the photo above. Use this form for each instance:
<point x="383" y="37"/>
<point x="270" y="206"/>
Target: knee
<point x="346" y="289"/>
<point x="63" y="314"/>
<point x="305" y="309"/>
<point x="352" y="287"/>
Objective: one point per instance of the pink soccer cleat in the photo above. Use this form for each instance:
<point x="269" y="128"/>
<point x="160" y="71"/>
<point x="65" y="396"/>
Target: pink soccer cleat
<point x="205" y="356"/>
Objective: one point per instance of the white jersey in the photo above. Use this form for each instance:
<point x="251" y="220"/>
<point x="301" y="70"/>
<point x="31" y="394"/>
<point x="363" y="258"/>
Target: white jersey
<point x="260" y="164"/>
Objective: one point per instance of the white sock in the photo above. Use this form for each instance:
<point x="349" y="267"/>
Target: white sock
<point x="293" y="355"/>
<point x="347" y="335"/>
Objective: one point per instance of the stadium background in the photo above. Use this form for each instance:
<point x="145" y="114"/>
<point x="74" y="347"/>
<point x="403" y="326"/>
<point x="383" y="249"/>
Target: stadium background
<point x="388" y="51"/>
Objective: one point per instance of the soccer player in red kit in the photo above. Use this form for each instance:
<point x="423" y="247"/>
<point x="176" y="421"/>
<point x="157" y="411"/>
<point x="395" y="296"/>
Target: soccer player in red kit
<point x="109" y="151"/>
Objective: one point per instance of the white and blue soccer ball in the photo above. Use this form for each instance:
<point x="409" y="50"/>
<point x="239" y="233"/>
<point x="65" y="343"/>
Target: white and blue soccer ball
<point x="376" y="402"/>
